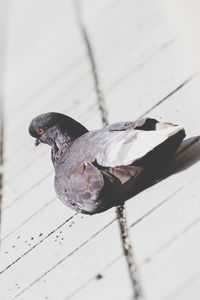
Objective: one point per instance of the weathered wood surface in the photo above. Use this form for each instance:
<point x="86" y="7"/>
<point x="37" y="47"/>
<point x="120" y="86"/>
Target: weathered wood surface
<point x="137" y="65"/>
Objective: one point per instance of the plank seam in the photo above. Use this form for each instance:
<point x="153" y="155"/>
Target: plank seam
<point x="120" y="211"/>
<point x="186" y="229"/>
<point x="29" y="218"/>
<point x="92" y="278"/>
<point x="169" y="243"/>
<point x="37" y="183"/>
<point x="48" y="84"/>
<point x="138" y="66"/>
<point x="63" y="259"/>
<point x="183" y="287"/>
<point x="91" y="58"/>
<point x="42" y="240"/>
<point x="157" y="206"/>
<point x="170" y="94"/>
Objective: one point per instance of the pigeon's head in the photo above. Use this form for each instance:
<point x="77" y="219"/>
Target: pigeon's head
<point x="50" y="128"/>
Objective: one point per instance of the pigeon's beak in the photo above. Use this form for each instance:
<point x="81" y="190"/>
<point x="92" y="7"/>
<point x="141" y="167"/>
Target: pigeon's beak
<point x="37" y="142"/>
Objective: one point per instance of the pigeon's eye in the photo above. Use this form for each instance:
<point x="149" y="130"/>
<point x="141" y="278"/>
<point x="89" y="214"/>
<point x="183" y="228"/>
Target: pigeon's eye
<point x="40" y="130"/>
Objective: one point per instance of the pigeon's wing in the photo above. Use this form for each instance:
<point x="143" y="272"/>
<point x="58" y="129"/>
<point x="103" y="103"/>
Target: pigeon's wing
<point x="135" y="156"/>
<point x="141" y="124"/>
<point x="126" y="181"/>
<point x="124" y="147"/>
<point x="81" y="191"/>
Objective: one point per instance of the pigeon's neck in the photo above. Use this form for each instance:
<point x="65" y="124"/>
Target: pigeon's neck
<point x="62" y="142"/>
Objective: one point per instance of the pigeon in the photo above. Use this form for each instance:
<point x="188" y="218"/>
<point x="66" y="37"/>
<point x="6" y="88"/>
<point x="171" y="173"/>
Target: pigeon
<point x="99" y="169"/>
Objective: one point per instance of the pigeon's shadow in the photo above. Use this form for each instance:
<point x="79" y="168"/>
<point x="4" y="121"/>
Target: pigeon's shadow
<point x="188" y="154"/>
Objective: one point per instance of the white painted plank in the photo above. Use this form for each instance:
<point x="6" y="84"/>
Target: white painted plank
<point x="52" y="250"/>
<point x="161" y="274"/>
<point x="165" y="273"/>
<point x="63" y="100"/>
<point x="166" y="222"/>
<point x="114" y="286"/>
<point x="39" y="44"/>
<point x="90" y="261"/>
<point x="94" y="11"/>
<point x="145" y="88"/>
<point x="189" y="290"/>
<point x="182" y="108"/>
<point x="142" y="28"/>
<point x="28" y="205"/>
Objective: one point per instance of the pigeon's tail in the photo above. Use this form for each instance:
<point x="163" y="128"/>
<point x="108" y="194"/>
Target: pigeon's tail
<point x="171" y="128"/>
<point x="171" y="145"/>
<point x="168" y="148"/>
<point x="176" y="134"/>
<point x="160" y="155"/>
<point x="153" y="164"/>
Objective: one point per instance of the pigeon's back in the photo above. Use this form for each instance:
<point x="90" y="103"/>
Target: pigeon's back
<point x="111" y="148"/>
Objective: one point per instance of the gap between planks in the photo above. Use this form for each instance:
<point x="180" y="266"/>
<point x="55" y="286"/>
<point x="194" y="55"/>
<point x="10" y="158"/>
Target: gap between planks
<point x="121" y="210"/>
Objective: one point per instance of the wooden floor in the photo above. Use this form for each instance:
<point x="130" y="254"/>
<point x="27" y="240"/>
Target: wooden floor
<point x="99" y="61"/>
